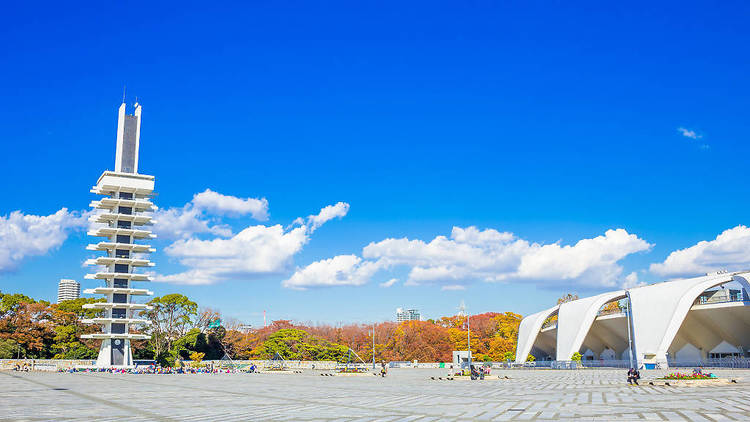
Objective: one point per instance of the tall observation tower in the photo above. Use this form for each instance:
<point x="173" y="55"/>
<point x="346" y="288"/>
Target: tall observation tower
<point x="123" y="224"/>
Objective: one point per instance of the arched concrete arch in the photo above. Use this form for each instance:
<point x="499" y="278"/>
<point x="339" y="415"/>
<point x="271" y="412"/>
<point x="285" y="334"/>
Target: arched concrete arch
<point x="574" y="320"/>
<point x="658" y="310"/>
<point x="528" y="330"/>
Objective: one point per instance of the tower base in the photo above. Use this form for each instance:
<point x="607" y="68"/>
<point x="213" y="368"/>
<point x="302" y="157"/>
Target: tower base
<point x="115" y="353"/>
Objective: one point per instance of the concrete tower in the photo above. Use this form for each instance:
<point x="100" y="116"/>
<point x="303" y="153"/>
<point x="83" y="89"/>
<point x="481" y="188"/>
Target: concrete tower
<point x="122" y="221"/>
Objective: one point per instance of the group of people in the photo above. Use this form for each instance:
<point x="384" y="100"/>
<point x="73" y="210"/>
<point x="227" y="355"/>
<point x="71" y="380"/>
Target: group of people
<point x="154" y="369"/>
<point x="25" y="367"/>
<point x="478" y="372"/>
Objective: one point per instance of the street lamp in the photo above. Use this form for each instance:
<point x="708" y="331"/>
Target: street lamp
<point x="630" y="338"/>
<point x="468" y="337"/>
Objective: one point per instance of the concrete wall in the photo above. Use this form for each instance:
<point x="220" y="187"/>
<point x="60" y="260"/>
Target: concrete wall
<point x="44" y="364"/>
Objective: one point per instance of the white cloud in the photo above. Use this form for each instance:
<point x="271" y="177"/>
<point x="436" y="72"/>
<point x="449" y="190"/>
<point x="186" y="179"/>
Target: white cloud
<point x="224" y="204"/>
<point x="255" y="251"/>
<point x="195" y="216"/>
<point x="492" y="256"/>
<point x="631" y="280"/>
<point x="326" y="214"/>
<point x="23" y="235"/>
<point x="453" y="287"/>
<point x="689" y="133"/>
<point x="181" y="223"/>
<point x="389" y="283"/>
<point x="589" y="261"/>
<point x="342" y="270"/>
<point x="730" y="250"/>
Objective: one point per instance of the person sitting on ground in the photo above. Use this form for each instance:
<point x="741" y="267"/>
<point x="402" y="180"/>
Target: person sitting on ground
<point x="697" y="371"/>
<point x="633" y="376"/>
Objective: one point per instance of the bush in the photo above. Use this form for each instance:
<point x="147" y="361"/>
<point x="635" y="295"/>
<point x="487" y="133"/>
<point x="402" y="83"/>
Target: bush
<point x="531" y="358"/>
<point x="576" y="357"/>
<point x="165" y="359"/>
<point x="693" y="376"/>
<point x="8" y="349"/>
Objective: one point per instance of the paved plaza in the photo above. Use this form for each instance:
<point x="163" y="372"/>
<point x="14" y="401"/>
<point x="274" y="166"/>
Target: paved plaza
<point x="406" y="394"/>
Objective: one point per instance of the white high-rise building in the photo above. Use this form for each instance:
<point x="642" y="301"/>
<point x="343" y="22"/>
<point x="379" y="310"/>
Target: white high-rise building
<point x="68" y="290"/>
<point x="407" y="315"/>
<point x="122" y="221"/>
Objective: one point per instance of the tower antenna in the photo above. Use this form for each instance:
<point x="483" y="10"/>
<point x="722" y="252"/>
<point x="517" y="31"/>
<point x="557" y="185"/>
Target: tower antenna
<point x="123" y="93"/>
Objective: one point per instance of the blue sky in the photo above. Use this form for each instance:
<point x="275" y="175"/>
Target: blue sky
<point x="553" y="122"/>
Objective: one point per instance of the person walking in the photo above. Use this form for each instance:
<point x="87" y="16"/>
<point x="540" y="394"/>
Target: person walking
<point x="383" y="369"/>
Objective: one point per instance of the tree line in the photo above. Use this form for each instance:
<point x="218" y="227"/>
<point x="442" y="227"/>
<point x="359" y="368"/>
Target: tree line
<point x="180" y="329"/>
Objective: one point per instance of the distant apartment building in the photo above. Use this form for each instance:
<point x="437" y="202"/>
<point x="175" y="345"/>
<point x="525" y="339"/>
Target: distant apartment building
<point x="407" y="315"/>
<point x="68" y="290"/>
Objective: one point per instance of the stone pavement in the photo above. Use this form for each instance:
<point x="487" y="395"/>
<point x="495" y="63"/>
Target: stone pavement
<point x="406" y="394"/>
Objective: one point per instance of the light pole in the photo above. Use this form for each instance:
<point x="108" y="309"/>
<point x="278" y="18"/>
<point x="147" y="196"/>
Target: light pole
<point x="630" y="339"/>
<point x="373" y="345"/>
<point x="468" y="337"/>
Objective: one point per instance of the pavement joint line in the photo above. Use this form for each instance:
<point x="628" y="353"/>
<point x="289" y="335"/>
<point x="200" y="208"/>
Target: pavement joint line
<point x="95" y="399"/>
<point x="236" y="393"/>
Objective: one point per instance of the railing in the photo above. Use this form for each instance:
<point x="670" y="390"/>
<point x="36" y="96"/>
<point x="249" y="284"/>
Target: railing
<point x="548" y="324"/>
<point x="734" y="297"/>
<point x="736" y="362"/>
<point x="611" y="312"/>
<point x="599" y="363"/>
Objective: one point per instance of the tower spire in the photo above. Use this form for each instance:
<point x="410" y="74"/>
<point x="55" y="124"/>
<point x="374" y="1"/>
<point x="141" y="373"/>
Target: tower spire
<point x="128" y="139"/>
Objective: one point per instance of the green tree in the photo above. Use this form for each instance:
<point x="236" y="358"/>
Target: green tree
<point x="68" y="328"/>
<point x="8" y="349"/>
<point x="67" y="344"/>
<point x="75" y="307"/>
<point x="295" y="344"/>
<point x="10" y="303"/>
<point x="171" y="318"/>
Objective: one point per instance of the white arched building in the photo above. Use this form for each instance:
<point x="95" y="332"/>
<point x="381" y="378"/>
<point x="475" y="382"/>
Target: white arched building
<point x="681" y="320"/>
